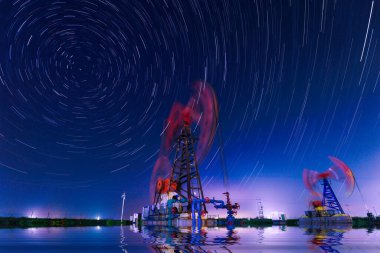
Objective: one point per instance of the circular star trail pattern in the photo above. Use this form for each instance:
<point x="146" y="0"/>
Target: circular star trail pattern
<point x="71" y="71"/>
<point x="85" y="88"/>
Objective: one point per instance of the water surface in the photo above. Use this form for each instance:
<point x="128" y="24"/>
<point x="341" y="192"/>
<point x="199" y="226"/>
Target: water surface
<point x="156" y="239"/>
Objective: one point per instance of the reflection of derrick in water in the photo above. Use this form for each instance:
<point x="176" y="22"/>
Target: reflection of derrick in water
<point x="173" y="239"/>
<point x="231" y="238"/>
<point x="227" y="249"/>
<point x="260" y="233"/>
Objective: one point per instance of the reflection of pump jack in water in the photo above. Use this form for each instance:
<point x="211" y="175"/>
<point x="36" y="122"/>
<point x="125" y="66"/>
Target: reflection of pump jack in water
<point x="327" y="239"/>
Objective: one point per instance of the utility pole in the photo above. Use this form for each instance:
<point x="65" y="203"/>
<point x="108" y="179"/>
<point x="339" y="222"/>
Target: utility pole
<point x="122" y="208"/>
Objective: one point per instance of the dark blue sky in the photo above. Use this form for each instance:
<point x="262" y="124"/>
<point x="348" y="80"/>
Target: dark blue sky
<point x="85" y="87"/>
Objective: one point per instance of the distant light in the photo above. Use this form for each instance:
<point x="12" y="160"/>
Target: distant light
<point x="98" y="218"/>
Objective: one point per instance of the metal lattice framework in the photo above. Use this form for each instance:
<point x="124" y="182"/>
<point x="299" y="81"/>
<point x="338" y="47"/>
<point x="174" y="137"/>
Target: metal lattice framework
<point x="185" y="173"/>
<point x="260" y="209"/>
<point x="329" y="199"/>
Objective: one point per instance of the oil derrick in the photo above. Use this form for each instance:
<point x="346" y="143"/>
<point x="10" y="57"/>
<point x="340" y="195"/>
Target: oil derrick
<point x="260" y="208"/>
<point x="183" y="181"/>
<point x="185" y="173"/>
<point x="329" y="199"/>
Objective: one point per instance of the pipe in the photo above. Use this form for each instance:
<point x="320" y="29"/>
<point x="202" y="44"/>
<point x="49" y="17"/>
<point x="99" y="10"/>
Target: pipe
<point x="196" y="207"/>
<point x="220" y="203"/>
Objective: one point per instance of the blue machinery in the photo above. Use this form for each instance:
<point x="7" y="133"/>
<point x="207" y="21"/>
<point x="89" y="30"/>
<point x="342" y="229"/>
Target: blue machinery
<point x="329" y="205"/>
<point x="173" y="211"/>
<point x="196" y="209"/>
<point x="329" y="199"/>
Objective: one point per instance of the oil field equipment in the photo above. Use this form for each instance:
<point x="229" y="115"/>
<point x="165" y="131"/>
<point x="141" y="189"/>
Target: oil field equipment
<point x="260" y="209"/>
<point x="176" y="187"/>
<point x="197" y="212"/>
<point x="184" y="182"/>
<point x="325" y="207"/>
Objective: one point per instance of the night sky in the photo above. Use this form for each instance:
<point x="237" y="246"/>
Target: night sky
<point x="86" y="86"/>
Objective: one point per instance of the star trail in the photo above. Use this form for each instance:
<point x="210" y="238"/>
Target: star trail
<point x="86" y="86"/>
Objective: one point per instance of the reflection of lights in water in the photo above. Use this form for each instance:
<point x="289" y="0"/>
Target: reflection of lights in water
<point x="97" y="227"/>
<point x="32" y="230"/>
<point x="134" y="228"/>
<point x="273" y="230"/>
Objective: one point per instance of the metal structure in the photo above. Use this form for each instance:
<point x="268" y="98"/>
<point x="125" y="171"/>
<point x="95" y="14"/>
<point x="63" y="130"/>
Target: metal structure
<point x="175" y="181"/>
<point x="325" y="204"/>
<point x="181" y="192"/>
<point x="197" y="213"/>
<point x="176" y="188"/>
<point x="329" y="205"/>
<point x="260" y="209"/>
<point x="185" y="174"/>
<point x="329" y="199"/>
